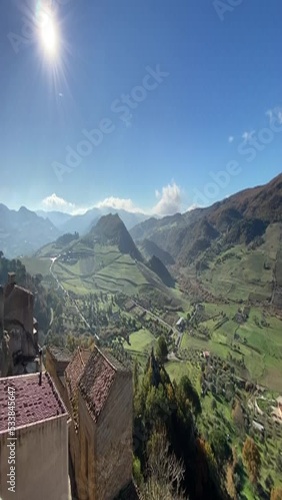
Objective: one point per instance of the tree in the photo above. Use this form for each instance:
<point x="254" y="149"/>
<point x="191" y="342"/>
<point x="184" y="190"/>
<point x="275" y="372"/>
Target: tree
<point x="230" y="485"/>
<point x="238" y="417"/>
<point x="252" y="460"/>
<point x="279" y="462"/>
<point x="137" y="473"/>
<point x="161" y="349"/>
<point x="186" y="391"/>
<point x="276" y="494"/>
<point x="165" y="472"/>
<point x="219" y="446"/>
<point x="269" y="483"/>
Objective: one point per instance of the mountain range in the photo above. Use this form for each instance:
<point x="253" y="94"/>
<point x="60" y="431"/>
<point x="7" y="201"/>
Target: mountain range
<point x="230" y="250"/>
<point x="179" y="240"/>
<point x="241" y="218"/>
<point x="23" y="231"/>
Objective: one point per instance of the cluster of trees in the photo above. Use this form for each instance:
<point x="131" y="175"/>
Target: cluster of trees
<point x="252" y="460"/>
<point x="15" y="266"/>
<point x="218" y="377"/>
<point x="163" y="408"/>
<point x="66" y="238"/>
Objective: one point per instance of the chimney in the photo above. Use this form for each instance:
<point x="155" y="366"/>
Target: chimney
<point x="40" y="366"/>
<point x="11" y="279"/>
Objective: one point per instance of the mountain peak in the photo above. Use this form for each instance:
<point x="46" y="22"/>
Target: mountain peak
<point x="110" y="230"/>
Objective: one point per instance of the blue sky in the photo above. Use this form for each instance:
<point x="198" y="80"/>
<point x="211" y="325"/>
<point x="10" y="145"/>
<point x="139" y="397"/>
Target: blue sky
<point x="183" y="98"/>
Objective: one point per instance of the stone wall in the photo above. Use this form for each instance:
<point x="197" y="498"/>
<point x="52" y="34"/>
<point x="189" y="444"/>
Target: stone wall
<point x="101" y="452"/>
<point x="114" y="439"/>
<point x="18" y="307"/>
<point x="57" y="370"/>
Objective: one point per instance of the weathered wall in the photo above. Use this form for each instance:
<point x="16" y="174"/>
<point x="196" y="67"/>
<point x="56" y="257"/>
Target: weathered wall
<point x="114" y="439"/>
<point x="83" y="451"/>
<point x="41" y="461"/>
<point x="56" y="370"/>
<point x="102" y="453"/>
<point x="19" y="306"/>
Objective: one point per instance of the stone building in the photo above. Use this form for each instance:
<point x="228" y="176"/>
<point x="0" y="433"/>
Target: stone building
<point x="56" y="362"/>
<point x="99" y="398"/>
<point x="37" y="446"/>
<point x="18" y="330"/>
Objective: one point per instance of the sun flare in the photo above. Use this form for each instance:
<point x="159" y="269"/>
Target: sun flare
<point x="49" y="34"/>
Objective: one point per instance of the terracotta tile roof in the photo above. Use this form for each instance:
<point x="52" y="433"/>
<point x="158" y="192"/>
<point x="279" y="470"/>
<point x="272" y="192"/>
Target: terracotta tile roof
<point x="92" y="373"/>
<point x="96" y="382"/>
<point x="33" y="402"/>
<point x="73" y="374"/>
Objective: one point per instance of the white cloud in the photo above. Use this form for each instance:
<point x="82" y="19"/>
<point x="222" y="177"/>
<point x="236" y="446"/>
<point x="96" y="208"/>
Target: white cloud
<point x="170" y="200"/>
<point x="54" y="202"/>
<point x="230" y="139"/>
<point x="118" y="204"/>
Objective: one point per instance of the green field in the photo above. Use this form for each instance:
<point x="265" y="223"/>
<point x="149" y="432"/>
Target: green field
<point x="37" y="266"/>
<point x="241" y="273"/>
<point x="258" y="343"/>
<point x="140" y="341"/>
<point x="177" y="369"/>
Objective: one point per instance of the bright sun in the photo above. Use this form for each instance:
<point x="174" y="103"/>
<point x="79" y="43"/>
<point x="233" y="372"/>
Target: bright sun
<point x="49" y="35"/>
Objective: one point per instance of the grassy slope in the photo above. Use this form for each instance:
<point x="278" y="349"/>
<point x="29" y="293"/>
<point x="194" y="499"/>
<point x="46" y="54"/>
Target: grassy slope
<point x="240" y="272"/>
<point x="104" y="268"/>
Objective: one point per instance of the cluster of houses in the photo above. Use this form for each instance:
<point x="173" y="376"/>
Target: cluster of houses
<point x="67" y="430"/>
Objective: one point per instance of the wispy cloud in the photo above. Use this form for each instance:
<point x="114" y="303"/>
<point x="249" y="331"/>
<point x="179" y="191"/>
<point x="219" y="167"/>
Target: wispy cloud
<point x="230" y="139"/>
<point x="118" y="204"/>
<point x="170" y="200"/>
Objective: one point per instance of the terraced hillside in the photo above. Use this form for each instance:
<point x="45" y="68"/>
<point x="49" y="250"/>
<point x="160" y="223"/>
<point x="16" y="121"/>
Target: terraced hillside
<point x="105" y="259"/>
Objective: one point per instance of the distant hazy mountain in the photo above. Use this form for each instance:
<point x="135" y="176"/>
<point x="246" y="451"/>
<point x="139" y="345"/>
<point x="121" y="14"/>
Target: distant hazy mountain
<point x="22" y="231"/>
<point x="67" y="223"/>
<point x="57" y="218"/>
